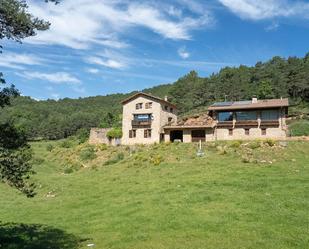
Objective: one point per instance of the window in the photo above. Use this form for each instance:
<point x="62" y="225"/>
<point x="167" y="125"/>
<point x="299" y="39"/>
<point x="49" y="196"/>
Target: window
<point x="148" y="105"/>
<point x="171" y="110"/>
<point x="230" y="132"/>
<point x="139" y="106"/>
<point x="247" y="131"/>
<point x="166" y="108"/>
<point x="247" y="115"/>
<point x="142" y="117"/>
<point x="225" y="116"/>
<point x="263" y="131"/>
<point x="147" y="133"/>
<point x="269" y="115"/>
<point x="132" y="133"/>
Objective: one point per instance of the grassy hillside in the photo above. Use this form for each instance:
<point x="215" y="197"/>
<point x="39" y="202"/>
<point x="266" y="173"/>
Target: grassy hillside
<point x="239" y="195"/>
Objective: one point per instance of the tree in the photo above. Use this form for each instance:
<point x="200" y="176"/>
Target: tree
<point x="110" y="120"/>
<point x="265" y="90"/>
<point x="16" y="23"/>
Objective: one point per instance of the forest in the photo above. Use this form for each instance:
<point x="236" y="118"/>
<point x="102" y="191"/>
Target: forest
<point x="51" y="119"/>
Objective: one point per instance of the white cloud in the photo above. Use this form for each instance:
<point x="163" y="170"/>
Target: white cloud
<point x="183" y="53"/>
<point x="92" y="70"/>
<point x="266" y="9"/>
<point x="17" y="61"/>
<point x="58" y="77"/>
<point x="80" y="24"/>
<point x="105" y="62"/>
<point x="272" y="27"/>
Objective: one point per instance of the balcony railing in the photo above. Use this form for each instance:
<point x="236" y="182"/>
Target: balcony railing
<point x="141" y="123"/>
<point x="246" y="123"/>
<point x="269" y="123"/>
<point x="225" y="124"/>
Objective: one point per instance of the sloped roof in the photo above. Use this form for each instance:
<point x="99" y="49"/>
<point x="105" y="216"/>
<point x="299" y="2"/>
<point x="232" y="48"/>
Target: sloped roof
<point x="248" y="104"/>
<point x="142" y="94"/>
<point x="199" y="121"/>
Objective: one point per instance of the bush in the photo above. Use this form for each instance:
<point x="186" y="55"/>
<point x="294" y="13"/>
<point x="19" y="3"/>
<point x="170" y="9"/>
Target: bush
<point x="255" y="144"/>
<point x="299" y="128"/>
<point x="82" y="135"/>
<point x="68" y="170"/>
<point x="270" y="142"/>
<point x="119" y="156"/>
<point x="102" y="147"/>
<point x="72" y="167"/>
<point x="114" y="133"/>
<point x="87" y="154"/>
<point x="236" y="144"/>
<point x="156" y="159"/>
<point x="221" y="150"/>
<point x="245" y="159"/>
<point x="49" y="147"/>
<point x="66" y="144"/>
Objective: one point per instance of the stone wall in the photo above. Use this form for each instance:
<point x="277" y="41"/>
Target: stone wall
<point x="99" y="136"/>
<point x="254" y="133"/>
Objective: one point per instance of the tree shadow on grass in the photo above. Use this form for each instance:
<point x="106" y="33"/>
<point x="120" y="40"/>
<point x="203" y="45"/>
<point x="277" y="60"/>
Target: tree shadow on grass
<point x="36" y="236"/>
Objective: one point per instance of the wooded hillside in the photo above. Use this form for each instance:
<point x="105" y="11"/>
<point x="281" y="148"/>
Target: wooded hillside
<point x="278" y="77"/>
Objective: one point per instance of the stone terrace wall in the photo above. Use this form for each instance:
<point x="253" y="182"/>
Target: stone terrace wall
<point x="99" y="136"/>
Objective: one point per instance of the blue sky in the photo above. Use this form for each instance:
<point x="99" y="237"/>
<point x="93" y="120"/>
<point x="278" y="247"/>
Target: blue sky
<point x="108" y="46"/>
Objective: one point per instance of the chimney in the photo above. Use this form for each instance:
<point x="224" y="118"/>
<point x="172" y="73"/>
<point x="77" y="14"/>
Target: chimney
<point x="165" y="98"/>
<point x="254" y="100"/>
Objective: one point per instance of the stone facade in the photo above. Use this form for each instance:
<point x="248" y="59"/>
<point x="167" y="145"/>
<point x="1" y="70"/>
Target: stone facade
<point x="160" y="113"/>
<point x="277" y="130"/>
<point x="242" y="120"/>
<point x="147" y="119"/>
<point x="99" y="136"/>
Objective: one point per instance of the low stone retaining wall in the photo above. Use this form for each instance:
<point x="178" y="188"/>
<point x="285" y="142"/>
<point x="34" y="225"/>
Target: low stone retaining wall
<point x="99" y="136"/>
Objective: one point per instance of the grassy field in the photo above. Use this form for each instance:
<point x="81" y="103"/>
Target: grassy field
<point x="239" y="195"/>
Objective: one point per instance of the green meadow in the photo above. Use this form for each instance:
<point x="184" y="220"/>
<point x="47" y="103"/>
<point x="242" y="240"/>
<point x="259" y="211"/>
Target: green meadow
<point x="237" y="195"/>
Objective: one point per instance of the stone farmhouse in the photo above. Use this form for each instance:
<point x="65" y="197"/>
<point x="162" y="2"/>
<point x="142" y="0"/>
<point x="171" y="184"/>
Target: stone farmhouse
<point x="144" y="118"/>
<point x="148" y="119"/>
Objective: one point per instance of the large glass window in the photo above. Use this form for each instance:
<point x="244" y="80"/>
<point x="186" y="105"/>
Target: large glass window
<point x="225" y="116"/>
<point x="270" y="115"/>
<point x="142" y="117"/>
<point x="246" y="115"/>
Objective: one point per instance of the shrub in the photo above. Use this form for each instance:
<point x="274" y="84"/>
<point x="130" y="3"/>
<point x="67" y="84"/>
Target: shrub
<point x="82" y="135"/>
<point x="119" y="156"/>
<point x="88" y="153"/>
<point x="236" y="144"/>
<point x="221" y="150"/>
<point x="68" y="170"/>
<point x="299" y="128"/>
<point x="245" y="159"/>
<point x="102" y="147"/>
<point x="66" y="144"/>
<point x="270" y="142"/>
<point x="156" y="159"/>
<point x="114" y="133"/>
<point x="255" y="144"/>
<point x="49" y="147"/>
